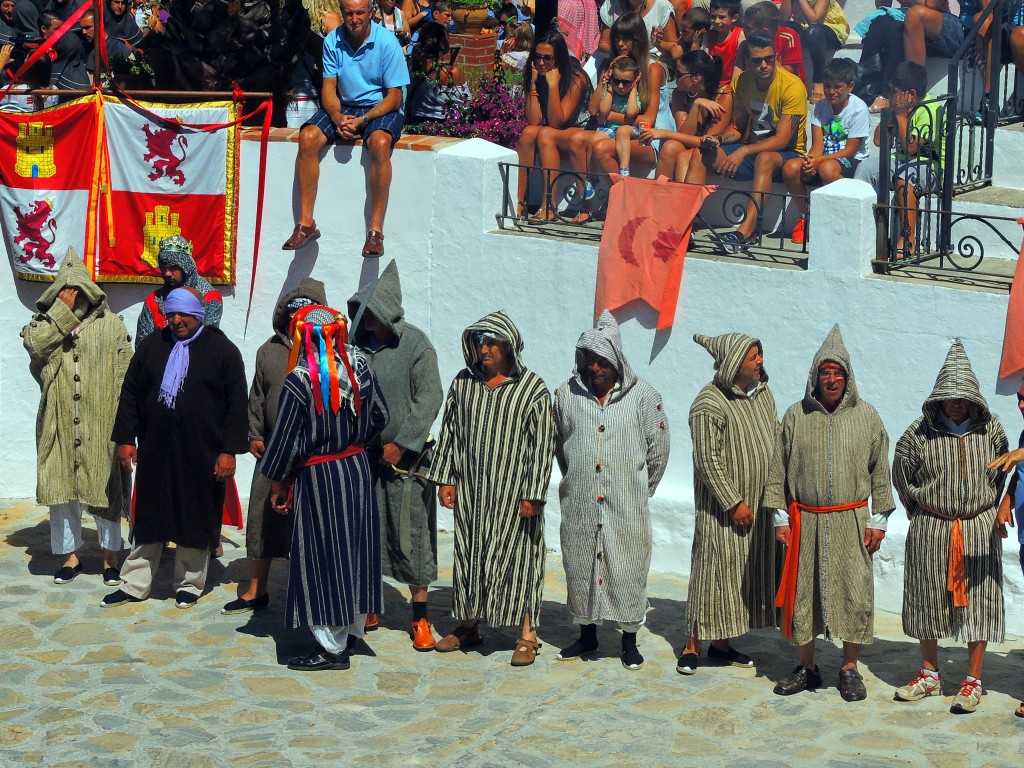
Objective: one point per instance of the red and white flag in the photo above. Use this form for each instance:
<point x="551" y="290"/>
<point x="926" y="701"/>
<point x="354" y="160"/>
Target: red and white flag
<point x="170" y="174"/>
<point x="1011" y="365"/>
<point x="48" y="172"/>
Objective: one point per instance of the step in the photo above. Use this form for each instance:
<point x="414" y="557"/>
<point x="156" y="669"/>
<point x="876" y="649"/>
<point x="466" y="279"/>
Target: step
<point x="1009" y="155"/>
<point x="987" y="223"/>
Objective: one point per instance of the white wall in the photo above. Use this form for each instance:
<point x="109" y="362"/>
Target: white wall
<point x="456" y="267"/>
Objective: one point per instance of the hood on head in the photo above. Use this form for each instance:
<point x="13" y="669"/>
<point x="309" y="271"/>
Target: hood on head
<point x="501" y="325"/>
<point x="956" y="379"/>
<point x="729" y="351"/>
<point x="307" y="288"/>
<point x="605" y="340"/>
<point x="832" y="349"/>
<point x="176" y="251"/>
<point x="385" y="303"/>
<point x="72" y="273"/>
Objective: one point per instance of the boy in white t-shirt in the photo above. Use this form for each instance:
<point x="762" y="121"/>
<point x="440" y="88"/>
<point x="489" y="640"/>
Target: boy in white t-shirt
<point x="840" y="126"/>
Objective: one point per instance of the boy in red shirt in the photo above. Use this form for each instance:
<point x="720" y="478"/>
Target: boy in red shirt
<point x="724" y="37"/>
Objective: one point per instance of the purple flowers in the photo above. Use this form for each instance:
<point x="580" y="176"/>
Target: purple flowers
<point x="494" y="111"/>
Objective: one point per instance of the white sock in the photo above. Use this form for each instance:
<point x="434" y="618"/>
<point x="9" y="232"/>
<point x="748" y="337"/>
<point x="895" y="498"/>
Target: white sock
<point x="974" y="680"/>
<point x="623" y="171"/>
<point x="932" y="673"/>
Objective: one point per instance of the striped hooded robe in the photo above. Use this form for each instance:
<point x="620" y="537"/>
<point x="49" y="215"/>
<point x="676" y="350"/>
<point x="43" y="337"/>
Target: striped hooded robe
<point x="733" y="570"/>
<point x="496" y="447"/>
<point x="935" y="469"/>
<point x="612" y="457"/>
<point x="829" y="459"/>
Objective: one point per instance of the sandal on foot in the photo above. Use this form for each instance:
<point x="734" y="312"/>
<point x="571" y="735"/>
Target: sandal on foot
<point x="374" y="245"/>
<point x="300" y="236"/>
<point x="525" y="653"/>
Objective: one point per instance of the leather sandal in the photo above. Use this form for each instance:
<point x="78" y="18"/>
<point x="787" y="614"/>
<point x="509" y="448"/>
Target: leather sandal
<point x="525" y="653"/>
<point x="301" y="236"/>
<point x="374" y="245"/>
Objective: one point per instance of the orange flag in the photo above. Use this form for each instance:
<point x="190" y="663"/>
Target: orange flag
<point x="644" y="244"/>
<point x="1012" y="363"/>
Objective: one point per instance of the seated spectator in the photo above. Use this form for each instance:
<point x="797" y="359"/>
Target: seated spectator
<point x="67" y="67"/>
<point x="8" y="34"/>
<point x="840" y="125"/>
<point x="436" y="82"/>
<point x="522" y="44"/>
<point x="616" y="105"/>
<point x="578" y="20"/>
<point x="769" y="127"/>
<point x="120" y="25"/>
<point x="724" y="38"/>
<point x="823" y="29"/>
<point x="506" y="15"/>
<point x="702" y="108"/>
<point x="764" y="17"/>
<point x="557" y="90"/>
<point x="442" y="14"/>
<point x="693" y="27"/>
<point x="387" y="14"/>
<point x="916" y="165"/>
<point x="416" y="13"/>
<point x="929" y="28"/>
<point x="115" y="48"/>
<point x="659" y="19"/>
<point x="25" y="21"/>
<point x="361" y="100"/>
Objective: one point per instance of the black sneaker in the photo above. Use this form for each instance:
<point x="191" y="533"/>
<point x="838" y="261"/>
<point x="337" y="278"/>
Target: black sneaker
<point x="851" y="685"/>
<point x="319" y="660"/>
<point x="802" y="679"/>
<point x="631" y="658"/>
<point x="241" y="605"/>
<point x="120" y="597"/>
<point x="66" y="574"/>
<point x="111" y="577"/>
<point x="184" y="599"/>
<point x="731" y="656"/>
<point x="733" y="242"/>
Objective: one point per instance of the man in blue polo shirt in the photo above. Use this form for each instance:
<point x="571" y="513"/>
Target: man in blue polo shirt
<point x="364" y="71"/>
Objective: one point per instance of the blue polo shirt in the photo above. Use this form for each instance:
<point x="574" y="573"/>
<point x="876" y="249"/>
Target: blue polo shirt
<point x="365" y="75"/>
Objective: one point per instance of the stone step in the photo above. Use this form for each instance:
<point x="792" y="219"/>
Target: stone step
<point x="984" y="222"/>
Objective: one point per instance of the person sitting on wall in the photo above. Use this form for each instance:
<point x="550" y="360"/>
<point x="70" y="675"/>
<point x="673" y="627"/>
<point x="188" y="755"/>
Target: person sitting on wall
<point x="364" y="71"/>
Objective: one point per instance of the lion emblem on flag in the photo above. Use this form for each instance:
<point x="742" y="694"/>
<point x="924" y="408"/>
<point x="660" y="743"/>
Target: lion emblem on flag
<point x="31" y="226"/>
<point x="160" y="145"/>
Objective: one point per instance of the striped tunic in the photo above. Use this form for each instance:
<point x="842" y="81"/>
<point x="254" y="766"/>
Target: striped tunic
<point x="829" y="459"/>
<point x="334" y="570"/>
<point x="937" y="469"/>
<point x="733" y="571"/>
<point x="496" y="447"/>
<point x="612" y="456"/>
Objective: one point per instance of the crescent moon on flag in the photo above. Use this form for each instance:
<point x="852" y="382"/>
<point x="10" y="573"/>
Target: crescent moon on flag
<point x="626" y="237"/>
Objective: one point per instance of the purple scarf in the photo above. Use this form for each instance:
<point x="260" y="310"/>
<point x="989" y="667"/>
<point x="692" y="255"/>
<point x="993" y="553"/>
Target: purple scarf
<point x="182" y="302"/>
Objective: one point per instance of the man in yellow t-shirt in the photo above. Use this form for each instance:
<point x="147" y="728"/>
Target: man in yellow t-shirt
<point x="769" y="127"/>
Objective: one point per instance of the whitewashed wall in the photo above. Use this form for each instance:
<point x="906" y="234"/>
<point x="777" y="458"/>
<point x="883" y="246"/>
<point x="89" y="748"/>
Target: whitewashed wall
<point x="456" y="267"/>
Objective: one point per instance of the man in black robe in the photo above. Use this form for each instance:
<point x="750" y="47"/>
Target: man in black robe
<point x="184" y="400"/>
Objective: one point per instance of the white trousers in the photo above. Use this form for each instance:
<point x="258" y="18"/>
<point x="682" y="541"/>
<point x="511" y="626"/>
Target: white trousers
<point x="625" y="626"/>
<point x="139" y="570"/>
<point x="66" y="529"/>
<point x="334" y="639"/>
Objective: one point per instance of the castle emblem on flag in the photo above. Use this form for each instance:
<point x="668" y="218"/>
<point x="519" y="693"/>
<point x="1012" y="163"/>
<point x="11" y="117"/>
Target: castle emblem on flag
<point x="160" y="152"/>
<point x="160" y="223"/>
<point x="35" y="151"/>
<point x="31" y="227"/>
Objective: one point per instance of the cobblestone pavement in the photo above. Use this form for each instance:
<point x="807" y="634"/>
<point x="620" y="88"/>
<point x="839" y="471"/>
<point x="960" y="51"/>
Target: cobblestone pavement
<point x="150" y="685"/>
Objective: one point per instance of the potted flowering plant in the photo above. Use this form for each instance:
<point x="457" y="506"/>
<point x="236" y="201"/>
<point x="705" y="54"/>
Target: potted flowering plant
<point x="469" y="15"/>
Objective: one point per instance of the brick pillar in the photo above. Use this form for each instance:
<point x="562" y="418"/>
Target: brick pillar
<point x="477" y="51"/>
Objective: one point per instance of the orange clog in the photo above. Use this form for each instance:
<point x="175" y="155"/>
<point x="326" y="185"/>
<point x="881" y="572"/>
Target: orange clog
<point x="372" y="622"/>
<point x="423" y="635"/>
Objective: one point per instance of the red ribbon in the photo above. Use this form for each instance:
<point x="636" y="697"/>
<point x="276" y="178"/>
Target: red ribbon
<point x="51" y="41"/>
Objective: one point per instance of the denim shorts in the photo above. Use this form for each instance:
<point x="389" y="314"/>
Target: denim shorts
<point x="392" y="123"/>
<point x="746" y="170"/>
<point x="609" y="130"/>
<point x="949" y="39"/>
<point x="848" y="166"/>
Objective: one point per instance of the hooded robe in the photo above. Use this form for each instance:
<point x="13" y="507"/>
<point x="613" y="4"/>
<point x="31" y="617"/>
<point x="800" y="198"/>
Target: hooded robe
<point x="936" y="469"/>
<point x="612" y="457"/>
<point x="151" y="318"/>
<point x="79" y="365"/>
<point x="826" y="459"/>
<point x="496" y="447"/>
<point x="406" y="368"/>
<point x="733" y="569"/>
<point x="268" y="533"/>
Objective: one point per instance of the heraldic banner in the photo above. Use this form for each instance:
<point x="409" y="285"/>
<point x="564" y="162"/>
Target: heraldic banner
<point x="49" y="165"/>
<point x="173" y="171"/>
<point x="644" y="244"/>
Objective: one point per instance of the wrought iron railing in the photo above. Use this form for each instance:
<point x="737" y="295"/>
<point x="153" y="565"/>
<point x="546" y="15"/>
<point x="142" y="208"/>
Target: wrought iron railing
<point x="565" y="203"/>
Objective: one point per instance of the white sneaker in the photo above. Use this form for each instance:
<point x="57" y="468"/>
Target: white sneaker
<point x="969" y="697"/>
<point x="922" y="685"/>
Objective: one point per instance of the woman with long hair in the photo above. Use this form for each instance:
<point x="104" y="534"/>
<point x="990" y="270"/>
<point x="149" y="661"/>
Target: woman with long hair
<point x="436" y="82"/>
<point x="701" y="109"/>
<point x="557" y="90"/>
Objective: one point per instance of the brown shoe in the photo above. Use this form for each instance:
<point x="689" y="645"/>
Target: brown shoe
<point x="374" y="245"/>
<point x="460" y="638"/>
<point x="525" y="653"/>
<point x="301" y="236"/>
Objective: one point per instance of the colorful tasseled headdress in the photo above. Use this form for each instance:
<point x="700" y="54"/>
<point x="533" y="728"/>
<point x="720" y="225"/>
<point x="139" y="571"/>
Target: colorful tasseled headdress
<point x="318" y="334"/>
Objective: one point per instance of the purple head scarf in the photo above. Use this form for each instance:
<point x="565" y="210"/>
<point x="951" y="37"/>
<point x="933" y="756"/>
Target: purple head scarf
<point x="182" y="302"/>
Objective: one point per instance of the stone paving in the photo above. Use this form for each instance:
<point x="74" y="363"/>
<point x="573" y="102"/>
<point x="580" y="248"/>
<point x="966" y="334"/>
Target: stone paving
<point x="150" y="685"/>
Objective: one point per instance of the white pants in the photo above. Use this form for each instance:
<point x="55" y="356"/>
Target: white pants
<point x="334" y="639"/>
<point x="139" y="570"/>
<point x="625" y="626"/>
<point x="66" y="529"/>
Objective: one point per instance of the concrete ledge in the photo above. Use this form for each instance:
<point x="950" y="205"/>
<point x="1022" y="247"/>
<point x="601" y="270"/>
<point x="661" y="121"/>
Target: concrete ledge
<point x="414" y="141"/>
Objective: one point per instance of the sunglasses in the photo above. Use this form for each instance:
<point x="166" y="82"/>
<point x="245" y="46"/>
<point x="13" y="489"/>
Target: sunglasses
<point x="758" y="60"/>
<point x="620" y="81"/>
<point x="546" y="57"/>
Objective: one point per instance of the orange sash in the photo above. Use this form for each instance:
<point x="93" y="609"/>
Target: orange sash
<point x="785" y="598"/>
<point x="956" y="576"/>
<point x="319" y="458"/>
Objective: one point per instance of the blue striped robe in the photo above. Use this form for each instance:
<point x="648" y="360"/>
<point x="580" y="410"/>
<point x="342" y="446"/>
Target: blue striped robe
<point x="335" y="565"/>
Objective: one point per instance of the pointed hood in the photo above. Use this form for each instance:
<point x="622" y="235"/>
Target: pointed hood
<point x="956" y="379"/>
<point x="604" y="340"/>
<point x="72" y="274"/>
<point x="385" y="303"/>
<point x="729" y="350"/>
<point x="502" y="326"/>
<point x="307" y="288"/>
<point x="832" y="349"/>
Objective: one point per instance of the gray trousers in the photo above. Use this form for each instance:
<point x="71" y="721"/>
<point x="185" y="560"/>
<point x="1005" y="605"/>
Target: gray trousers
<point x="139" y="570"/>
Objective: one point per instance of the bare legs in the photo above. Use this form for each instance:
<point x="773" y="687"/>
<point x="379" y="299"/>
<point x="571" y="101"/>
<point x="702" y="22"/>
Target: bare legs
<point x="307" y="171"/>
